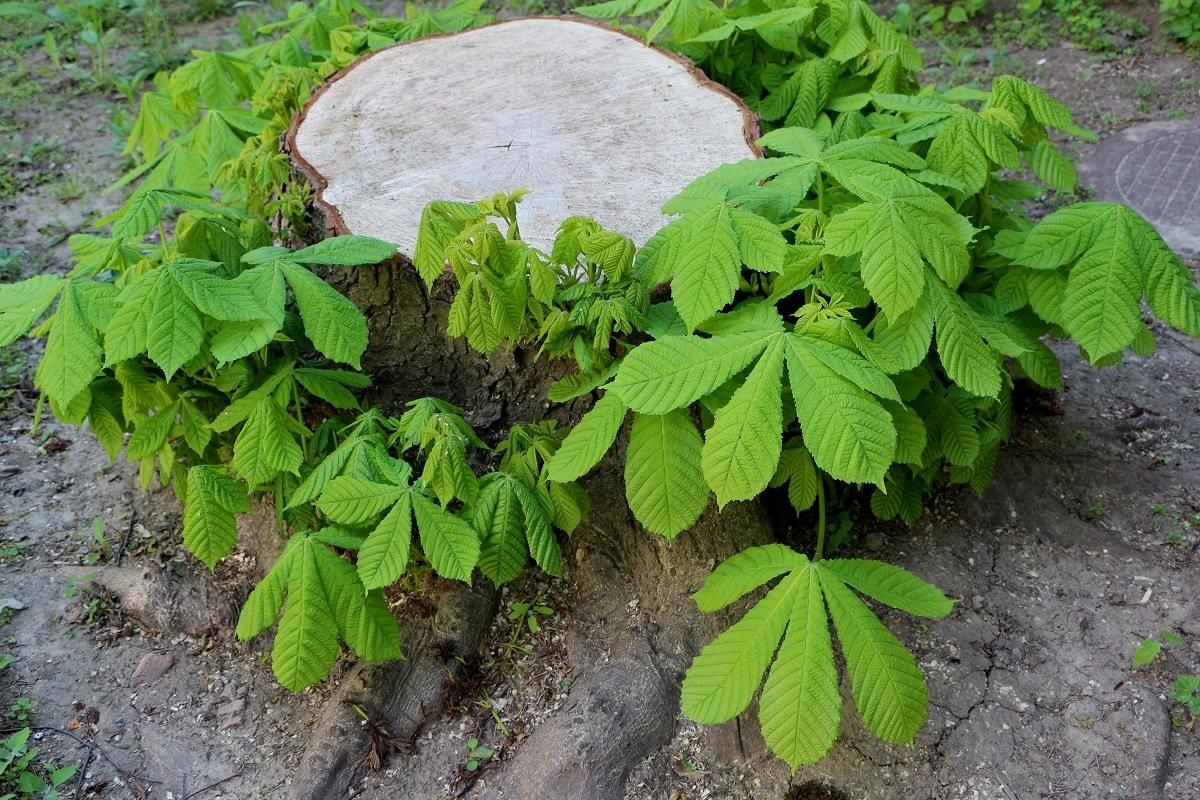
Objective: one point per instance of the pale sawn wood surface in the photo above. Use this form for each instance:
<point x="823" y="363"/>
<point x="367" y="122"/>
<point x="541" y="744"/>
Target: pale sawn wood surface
<point x="593" y="121"/>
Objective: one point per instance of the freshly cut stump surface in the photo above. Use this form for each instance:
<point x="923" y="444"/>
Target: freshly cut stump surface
<point x="592" y="120"/>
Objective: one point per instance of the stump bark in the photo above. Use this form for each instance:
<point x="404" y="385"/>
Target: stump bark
<point x="594" y="123"/>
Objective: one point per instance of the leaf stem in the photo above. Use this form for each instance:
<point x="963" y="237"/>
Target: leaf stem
<point x="820" y="518"/>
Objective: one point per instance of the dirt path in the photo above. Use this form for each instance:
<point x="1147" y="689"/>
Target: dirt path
<point x="1063" y="567"/>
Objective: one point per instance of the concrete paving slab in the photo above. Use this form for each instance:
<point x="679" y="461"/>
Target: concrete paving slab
<point x="1155" y="169"/>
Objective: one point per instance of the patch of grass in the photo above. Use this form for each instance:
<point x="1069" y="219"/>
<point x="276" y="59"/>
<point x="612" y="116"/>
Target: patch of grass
<point x="28" y="162"/>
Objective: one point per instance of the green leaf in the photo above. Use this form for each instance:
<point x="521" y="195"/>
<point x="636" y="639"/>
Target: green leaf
<point x="741" y="449"/>
<point x="848" y="364"/>
<point x="760" y="244"/>
<point x="448" y="473"/>
<point x="885" y="682"/>
<point x="891" y="585"/>
<point x="664" y="483"/>
<point x="377" y="635"/>
<point x="671" y="372"/>
<point x="1171" y="292"/>
<point x="266" y="599"/>
<point x="330" y="386"/>
<point x="498" y="516"/>
<point x="745" y="572"/>
<point x="383" y="557"/>
<point x="723" y="678"/>
<point x="329" y="468"/>
<point x="441" y="222"/>
<point x="126" y="334"/>
<point x="105" y="417"/>
<point x="151" y="433"/>
<point x="334" y="325"/>
<point x="850" y="435"/>
<point x="967" y="359"/>
<point x="538" y="533"/>
<point x="1101" y="308"/>
<point x="354" y="501"/>
<point x="1146" y="652"/>
<point x="450" y="544"/>
<point x="700" y="249"/>
<point x="800" y="705"/>
<point x="345" y="251"/>
<point x="589" y="440"/>
<point x="910" y="433"/>
<point x="891" y="260"/>
<point x="138" y="217"/>
<point x="209" y="524"/>
<point x="23" y="303"/>
<point x="219" y="298"/>
<point x="244" y="405"/>
<point x="1052" y="167"/>
<point x="264" y="447"/>
<point x="570" y="505"/>
<point x="174" y="331"/>
<point x="72" y="355"/>
<point x="908" y="337"/>
<point x="306" y="644"/>
<point x="796" y="467"/>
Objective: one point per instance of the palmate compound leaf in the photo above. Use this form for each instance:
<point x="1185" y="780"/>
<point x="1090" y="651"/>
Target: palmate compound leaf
<point x="1115" y="257"/>
<point x="799" y="709"/>
<point x="515" y="522"/>
<point x="664" y="483"/>
<point x="264" y="447"/>
<point x="324" y="600"/>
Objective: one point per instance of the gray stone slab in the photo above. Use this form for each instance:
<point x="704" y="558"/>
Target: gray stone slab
<point x="1155" y="169"/>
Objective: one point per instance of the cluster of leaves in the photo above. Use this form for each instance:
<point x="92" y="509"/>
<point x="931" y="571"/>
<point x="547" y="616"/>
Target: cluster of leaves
<point x="185" y="337"/>
<point x="935" y="16"/>
<point x="1186" y="689"/>
<point x="848" y="311"/>
<point x="22" y="777"/>
<point x="1182" y="19"/>
<point x="363" y="497"/>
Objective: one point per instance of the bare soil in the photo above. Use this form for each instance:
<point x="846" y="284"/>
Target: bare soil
<point x="1087" y="542"/>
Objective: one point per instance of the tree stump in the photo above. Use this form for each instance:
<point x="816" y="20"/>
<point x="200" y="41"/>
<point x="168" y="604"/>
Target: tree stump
<point x="594" y="123"/>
